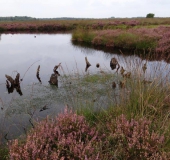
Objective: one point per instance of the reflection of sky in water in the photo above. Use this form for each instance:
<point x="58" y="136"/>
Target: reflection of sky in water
<point x="19" y="51"/>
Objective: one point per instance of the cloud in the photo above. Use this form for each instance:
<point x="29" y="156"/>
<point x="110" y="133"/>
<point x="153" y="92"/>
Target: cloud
<point x="84" y="8"/>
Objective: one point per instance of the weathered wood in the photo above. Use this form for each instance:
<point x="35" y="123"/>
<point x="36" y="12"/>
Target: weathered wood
<point x="18" y="89"/>
<point x="9" y="87"/>
<point x="55" y="69"/>
<point x="37" y="74"/>
<point x="14" y="84"/>
<point x="87" y="64"/>
<point x="113" y="63"/>
<point x="53" y="79"/>
<point x="118" y="67"/>
<point x="10" y="79"/>
<point x="17" y="82"/>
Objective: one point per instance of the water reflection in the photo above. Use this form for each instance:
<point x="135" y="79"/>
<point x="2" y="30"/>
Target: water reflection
<point x="90" y="49"/>
<point x="25" y="54"/>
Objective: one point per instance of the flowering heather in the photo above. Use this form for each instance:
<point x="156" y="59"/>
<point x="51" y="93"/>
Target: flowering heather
<point x="67" y="137"/>
<point x="149" y="39"/>
<point x="134" y="139"/>
<point x="95" y="24"/>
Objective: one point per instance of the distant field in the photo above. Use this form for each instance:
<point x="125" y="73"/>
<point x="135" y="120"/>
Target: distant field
<point x="94" y="24"/>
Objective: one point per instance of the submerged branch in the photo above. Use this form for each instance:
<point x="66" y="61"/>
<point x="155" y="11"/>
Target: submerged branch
<point x="37" y="74"/>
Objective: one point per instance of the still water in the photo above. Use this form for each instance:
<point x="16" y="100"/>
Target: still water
<point x="22" y="53"/>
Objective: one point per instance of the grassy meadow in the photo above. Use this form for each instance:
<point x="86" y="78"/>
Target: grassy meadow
<point x="92" y="24"/>
<point x="113" y="114"/>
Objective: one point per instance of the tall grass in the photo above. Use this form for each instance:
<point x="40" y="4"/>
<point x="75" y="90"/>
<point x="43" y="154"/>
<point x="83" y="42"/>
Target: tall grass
<point x="67" y="25"/>
<point x="131" y="120"/>
<point x="148" y="39"/>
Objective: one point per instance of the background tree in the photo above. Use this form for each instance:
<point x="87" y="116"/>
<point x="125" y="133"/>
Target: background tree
<point x="150" y="15"/>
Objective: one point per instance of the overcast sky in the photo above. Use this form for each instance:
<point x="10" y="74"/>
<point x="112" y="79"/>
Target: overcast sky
<point x="84" y="8"/>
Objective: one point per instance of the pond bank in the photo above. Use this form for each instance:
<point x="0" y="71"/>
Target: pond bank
<point x="94" y="24"/>
<point x="137" y="39"/>
<point x="112" y="131"/>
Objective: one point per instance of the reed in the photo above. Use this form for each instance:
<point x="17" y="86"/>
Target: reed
<point x="138" y="104"/>
<point x="148" y="39"/>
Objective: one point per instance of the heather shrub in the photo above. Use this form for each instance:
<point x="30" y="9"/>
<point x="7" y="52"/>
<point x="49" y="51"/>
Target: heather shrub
<point x="164" y="43"/>
<point x="134" y="139"/>
<point x="66" y="137"/>
<point x="149" y="39"/>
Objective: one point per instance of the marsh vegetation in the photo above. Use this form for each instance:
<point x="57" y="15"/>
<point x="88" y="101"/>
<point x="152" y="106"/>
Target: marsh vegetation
<point x="106" y="105"/>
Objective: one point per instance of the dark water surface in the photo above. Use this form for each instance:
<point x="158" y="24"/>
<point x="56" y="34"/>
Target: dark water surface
<point x="23" y="53"/>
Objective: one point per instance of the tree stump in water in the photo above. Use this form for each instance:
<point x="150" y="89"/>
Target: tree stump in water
<point x="87" y="64"/>
<point x="113" y="63"/>
<point x="54" y="79"/>
<point x="12" y="84"/>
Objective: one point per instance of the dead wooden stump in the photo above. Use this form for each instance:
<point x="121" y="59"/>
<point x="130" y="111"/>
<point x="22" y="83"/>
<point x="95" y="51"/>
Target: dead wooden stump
<point x="114" y="63"/>
<point x="54" y="77"/>
<point x="87" y="64"/>
<point x="55" y="69"/>
<point x="12" y="84"/>
<point x="9" y="87"/>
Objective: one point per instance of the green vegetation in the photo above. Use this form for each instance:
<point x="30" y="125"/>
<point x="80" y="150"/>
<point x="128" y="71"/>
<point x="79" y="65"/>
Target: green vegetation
<point x="134" y="34"/>
<point x="67" y="24"/>
<point x="3" y="152"/>
<point x="137" y="107"/>
<point x="131" y="118"/>
<point x="148" y="39"/>
<point x="150" y="15"/>
<point x="17" y="18"/>
<point x="129" y="113"/>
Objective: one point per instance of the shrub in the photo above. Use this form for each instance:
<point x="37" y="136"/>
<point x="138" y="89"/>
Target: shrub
<point x="67" y="137"/>
<point x="150" y="15"/>
<point x="133" y="139"/>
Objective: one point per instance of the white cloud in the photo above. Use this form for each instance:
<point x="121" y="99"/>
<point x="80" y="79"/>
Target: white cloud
<point x="84" y="8"/>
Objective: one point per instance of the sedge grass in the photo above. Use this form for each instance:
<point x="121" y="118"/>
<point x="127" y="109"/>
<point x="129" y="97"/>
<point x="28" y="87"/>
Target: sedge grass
<point x="144" y="96"/>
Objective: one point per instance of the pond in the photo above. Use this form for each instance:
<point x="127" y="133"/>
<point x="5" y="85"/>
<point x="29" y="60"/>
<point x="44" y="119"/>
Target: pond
<point x="22" y="53"/>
